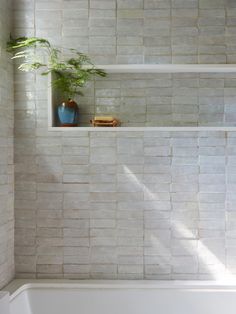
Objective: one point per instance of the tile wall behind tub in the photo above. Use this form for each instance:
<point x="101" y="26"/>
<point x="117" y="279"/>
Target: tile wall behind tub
<point x="117" y="205"/>
<point x="6" y="152"/>
<point x="125" y="205"/>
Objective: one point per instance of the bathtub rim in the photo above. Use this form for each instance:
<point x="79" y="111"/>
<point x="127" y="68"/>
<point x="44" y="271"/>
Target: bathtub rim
<point x="18" y="286"/>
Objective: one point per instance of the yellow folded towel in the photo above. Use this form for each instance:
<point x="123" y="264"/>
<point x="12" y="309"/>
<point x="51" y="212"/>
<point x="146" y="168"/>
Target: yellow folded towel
<point x="103" y="118"/>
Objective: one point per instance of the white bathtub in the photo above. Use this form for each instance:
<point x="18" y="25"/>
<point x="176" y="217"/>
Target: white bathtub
<point x="4" y="302"/>
<point x="126" y="297"/>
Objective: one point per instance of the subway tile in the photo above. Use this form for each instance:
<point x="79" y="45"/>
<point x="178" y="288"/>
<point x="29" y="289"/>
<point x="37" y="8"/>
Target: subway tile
<point x="113" y="205"/>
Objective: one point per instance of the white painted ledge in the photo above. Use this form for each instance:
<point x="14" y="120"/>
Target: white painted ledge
<point x="168" y="68"/>
<point x="136" y="129"/>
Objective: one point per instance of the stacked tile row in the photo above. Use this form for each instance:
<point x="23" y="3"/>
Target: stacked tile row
<point x="6" y="153"/>
<point x="140" y="31"/>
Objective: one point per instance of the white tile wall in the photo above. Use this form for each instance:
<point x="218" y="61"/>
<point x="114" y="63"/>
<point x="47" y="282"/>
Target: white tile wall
<point x="154" y="205"/>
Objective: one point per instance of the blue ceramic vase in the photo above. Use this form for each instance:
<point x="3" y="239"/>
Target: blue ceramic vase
<point x="68" y="113"/>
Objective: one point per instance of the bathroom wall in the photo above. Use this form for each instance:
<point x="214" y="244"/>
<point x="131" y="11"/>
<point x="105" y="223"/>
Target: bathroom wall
<point x="6" y="152"/>
<point x="128" y="205"/>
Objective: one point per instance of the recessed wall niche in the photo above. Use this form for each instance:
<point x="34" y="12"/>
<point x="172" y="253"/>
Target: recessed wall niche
<point x="158" y="100"/>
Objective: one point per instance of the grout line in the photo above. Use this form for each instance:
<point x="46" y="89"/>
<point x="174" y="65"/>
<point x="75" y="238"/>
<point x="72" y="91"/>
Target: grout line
<point x="226" y="191"/>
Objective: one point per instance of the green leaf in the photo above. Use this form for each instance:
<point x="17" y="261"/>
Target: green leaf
<point x="69" y="75"/>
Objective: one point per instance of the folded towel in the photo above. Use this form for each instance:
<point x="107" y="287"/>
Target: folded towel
<point x="104" y="118"/>
<point x="109" y="123"/>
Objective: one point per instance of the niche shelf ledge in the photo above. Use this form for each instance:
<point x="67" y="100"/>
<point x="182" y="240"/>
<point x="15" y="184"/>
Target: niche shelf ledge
<point x="168" y="68"/>
<point x="143" y="129"/>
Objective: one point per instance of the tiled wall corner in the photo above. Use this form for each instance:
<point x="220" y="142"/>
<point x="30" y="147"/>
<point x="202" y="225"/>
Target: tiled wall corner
<point x="6" y="152"/>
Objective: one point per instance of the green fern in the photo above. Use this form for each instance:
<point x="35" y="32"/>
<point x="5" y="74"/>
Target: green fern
<point x="68" y="76"/>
